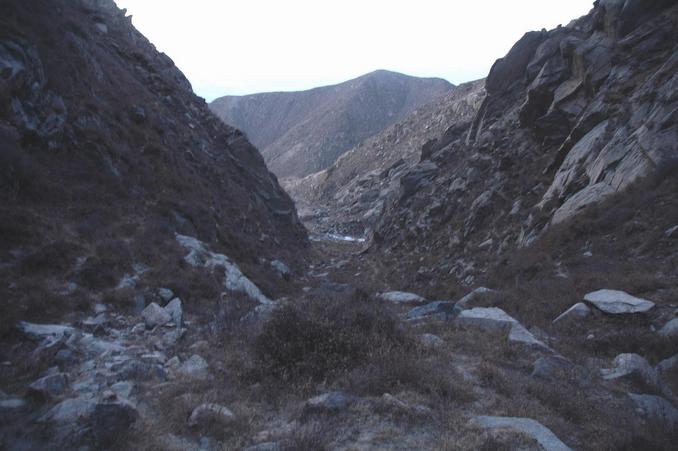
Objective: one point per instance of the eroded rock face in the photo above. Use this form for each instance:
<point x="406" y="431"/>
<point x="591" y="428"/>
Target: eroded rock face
<point x="572" y="117"/>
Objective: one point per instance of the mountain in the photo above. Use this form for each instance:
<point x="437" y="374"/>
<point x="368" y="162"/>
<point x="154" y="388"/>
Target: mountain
<point x="346" y="194"/>
<point x="106" y="155"/>
<point x="303" y="132"/>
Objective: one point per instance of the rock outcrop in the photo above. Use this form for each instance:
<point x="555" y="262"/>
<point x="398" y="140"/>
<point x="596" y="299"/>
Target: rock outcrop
<point x="107" y="153"/>
<point x="572" y="116"/>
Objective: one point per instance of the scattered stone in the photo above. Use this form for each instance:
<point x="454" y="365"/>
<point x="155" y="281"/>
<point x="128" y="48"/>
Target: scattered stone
<point x="100" y="308"/>
<point x="575" y="313"/>
<point x="670" y="232"/>
<point x="281" y="268"/>
<point x="112" y="420"/>
<point x="670" y="329"/>
<point x="176" y="311"/>
<point x="173" y="363"/>
<point x="438" y="309"/>
<point x="12" y="404"/>
<point x="617" y="302"/>
<point x="335" y="401"/>
<point x="138" y="329"/>
<point x="394" y="404"/>
<point x="543" y="435"/>
<point x="123" y="389"/>
<point x="432" y="341"/>
<point x="473" y="298"/>
<point x="165" y="294"/>
<point x="195" y="368"/>
<point x="266" y="446"/>
<point x="49" y="387"/>
<point x="70" y="410"/>
<point x="154" y="315"/>
<point x="401" y="297"/>
<point x="138" y="370"/>
<point x="41" y="331"/>
<point x="656" y="409"/>
<point x="206" y="414"/>
<point x="629" y="366"/>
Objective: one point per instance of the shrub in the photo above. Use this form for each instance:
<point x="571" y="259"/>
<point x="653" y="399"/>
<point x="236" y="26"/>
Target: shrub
<point x="312" y="340"/>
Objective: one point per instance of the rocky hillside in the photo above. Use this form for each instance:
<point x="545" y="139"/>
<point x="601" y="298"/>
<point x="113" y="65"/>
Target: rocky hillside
<point x="304" y="132"/>
<point x="106" y="155"/>
<point x="572" y="117"/>
<point x="345" y="196"/>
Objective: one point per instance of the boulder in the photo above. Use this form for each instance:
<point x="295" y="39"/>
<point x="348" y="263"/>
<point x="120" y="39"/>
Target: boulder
<point x="209" y="413"/>
<point x="49" y="387"/>
<point x="41" y="331"/>
<point x="70" y="410"/>
<point x="439" y="309"/>
<point x="473" y="298"/>
<point x="194" y="368"/>
<point x="617" y="302"/>
<point x="656" y="409"/>
<point x="281" y="269"/>
<point x="575" y="313"/>
<point x="123" y="389"/>
<point x="176" y="311"/>
<point x="496" y="320"/>
<point x="165" y="294"/>
<point x="112" y="420"/>
<point x="401" y="297"/>
<point x="154" y="315"/>
<point x="631" y="366"/>
<point x="670" y="329"/>
<point x="138" y="370"/>
<point x="487" y="318"/>
<point x="543" y="435"/>
<point x="335" y="401"/>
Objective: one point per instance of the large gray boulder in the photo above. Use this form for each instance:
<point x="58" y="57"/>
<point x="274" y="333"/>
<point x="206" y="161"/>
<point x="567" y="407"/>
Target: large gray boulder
<point x="438" y="309"/>
<point x="473" y="297"/>
<point x="629" y="366"/>
<point x="496" y="320"/>
<point x="575" y="313"/>
<point x="617" y="302"/>
<point x="543" y="435"/>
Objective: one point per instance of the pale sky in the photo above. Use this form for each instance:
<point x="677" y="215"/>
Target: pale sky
<point x="247" y="46"/>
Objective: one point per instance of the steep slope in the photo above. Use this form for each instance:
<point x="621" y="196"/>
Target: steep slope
<point x="106" y="155"/>
<point x="348" y="191"/>
<point x="303" y="132"/>
<point x="572" y="117"/>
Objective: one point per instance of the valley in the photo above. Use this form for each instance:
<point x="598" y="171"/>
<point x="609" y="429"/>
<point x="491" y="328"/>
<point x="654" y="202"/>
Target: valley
<point x="483" y="266"/>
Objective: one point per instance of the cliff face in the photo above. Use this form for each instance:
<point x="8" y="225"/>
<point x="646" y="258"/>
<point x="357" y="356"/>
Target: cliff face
<point x="303" y="132"/>
<point x="572" y="116"/>
<point x="107" y="154"/>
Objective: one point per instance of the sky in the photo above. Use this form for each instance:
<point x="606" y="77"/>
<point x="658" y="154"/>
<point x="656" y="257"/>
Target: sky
<point x="234" y="47"/>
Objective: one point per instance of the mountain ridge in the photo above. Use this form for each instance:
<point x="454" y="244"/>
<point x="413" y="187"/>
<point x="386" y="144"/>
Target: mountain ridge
<point x="305" y="131"/>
